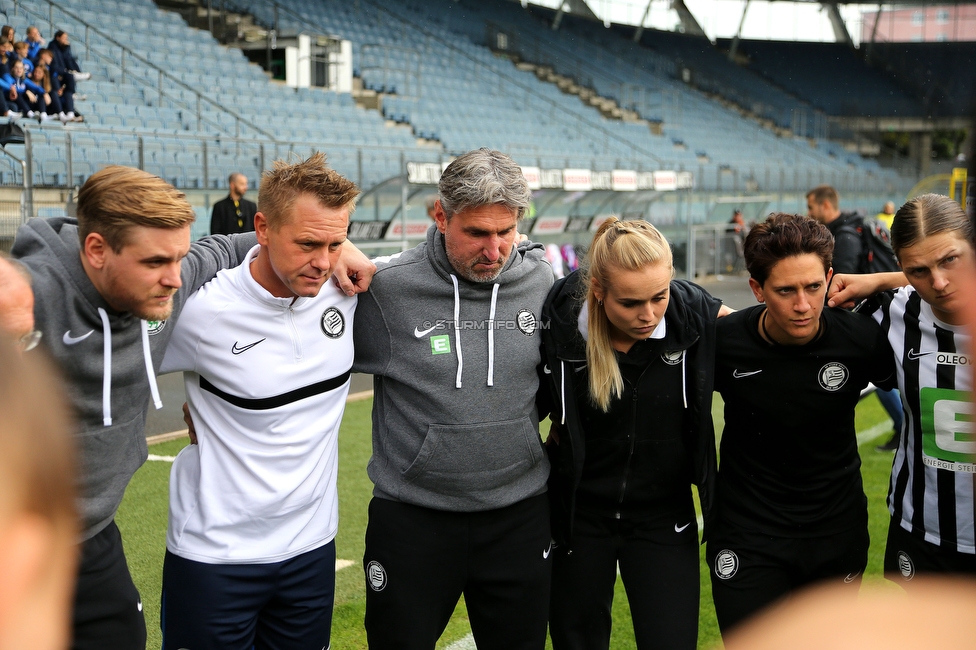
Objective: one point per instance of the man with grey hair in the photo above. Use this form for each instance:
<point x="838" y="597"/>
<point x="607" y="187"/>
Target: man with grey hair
<point x="234" y="213"/>
<point x="449" y="331"/>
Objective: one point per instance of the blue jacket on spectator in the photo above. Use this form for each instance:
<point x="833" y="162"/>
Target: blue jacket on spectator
<point x="32" y="49"/>
<point x="7" y="81"/>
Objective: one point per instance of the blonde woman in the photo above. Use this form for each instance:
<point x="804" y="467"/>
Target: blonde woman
<point x="630" y="351"/>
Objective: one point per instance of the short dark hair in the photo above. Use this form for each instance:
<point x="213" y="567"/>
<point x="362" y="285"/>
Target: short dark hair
<point x="926" y="215"/>
<point x="785" y="235"/>
<point x="58" y="34"/>
<point x="826" y="193"/>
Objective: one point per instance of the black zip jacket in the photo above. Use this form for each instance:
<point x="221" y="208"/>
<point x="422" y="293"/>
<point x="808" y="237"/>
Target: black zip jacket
<point x="632" y="467"/>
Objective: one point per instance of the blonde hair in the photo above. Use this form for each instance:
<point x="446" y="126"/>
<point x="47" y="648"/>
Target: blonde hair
<point x="116" y="198"/>
<point x="617" y="245"/>
<point x="281" y="186"/>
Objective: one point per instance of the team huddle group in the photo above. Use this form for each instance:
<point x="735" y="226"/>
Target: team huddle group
<point x="471" y="342"/>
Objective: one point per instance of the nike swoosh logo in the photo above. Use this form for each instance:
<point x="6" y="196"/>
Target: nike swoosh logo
<point x="72" y="340"/>
<point x="736" y="374"/>
<point x="239" y="349"/>
<point x="851" y="577"/>
<point x="914" y="356"/>
<point x="419" y="332"/>
<point x="678" y="530"/>
<point x="545" y="553"/>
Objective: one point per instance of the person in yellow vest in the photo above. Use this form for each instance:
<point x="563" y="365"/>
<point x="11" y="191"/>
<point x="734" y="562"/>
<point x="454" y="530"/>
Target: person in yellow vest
<point x="887" y="214"/>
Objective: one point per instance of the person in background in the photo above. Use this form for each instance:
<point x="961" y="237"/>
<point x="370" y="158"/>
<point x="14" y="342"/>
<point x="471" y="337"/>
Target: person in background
<point x="51" y="108"/>
<point x="630" y="353"/>
<point x="233" y="213"/>
<point x="34" y="42"/>
<point x="887" y="214"/>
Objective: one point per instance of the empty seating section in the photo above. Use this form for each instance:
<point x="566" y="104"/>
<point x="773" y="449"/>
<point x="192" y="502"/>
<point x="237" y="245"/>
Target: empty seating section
<point x="831" y="77"/>
<point x="940" y="73"/>
<point x="442" y="81"/>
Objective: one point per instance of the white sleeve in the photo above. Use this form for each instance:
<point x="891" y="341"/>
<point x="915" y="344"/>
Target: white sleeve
<point x="182" y="346"/>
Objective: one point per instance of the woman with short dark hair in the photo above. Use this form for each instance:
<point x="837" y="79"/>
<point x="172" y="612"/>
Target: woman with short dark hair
<point x="791" y="507"/>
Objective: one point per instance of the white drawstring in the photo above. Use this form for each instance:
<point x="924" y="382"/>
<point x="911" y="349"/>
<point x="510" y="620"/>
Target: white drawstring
<point x="106" y="369"/>
<point x="150" y="372"/>
<point x="491" y="336"/>
<point x="457" y="330"/>
<point x="684" y="387"/>
<point x="562" y="389"/>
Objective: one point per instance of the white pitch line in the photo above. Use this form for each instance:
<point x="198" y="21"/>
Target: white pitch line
<point x="467" y="643"/>
<point x="874" y="432"/>
<point x="343" y="564"/>
<point x="165" y="459"/>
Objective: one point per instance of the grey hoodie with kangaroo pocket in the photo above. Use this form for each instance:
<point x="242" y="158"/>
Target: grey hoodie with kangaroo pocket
<point x="455" y="366"/>
<point x="108" y="359"/>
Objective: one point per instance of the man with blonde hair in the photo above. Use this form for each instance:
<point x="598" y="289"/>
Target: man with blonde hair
<point x="108" y="288"/>
<point x="266" y="349"/>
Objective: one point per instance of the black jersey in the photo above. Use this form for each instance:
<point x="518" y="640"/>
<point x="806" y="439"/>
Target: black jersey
<point x="932" y="488"/>
<point x="789" y="462"/>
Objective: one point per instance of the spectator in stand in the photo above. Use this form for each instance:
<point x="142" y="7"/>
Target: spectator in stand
<point x="8" y="33"/>
<point x="66" y="97"/>
<point x="34" y="41"/>
<point x="51" y="106"/>
<point x="64" y="65"/>
<point x="234" y="213"/>
<point x="20" y="49"/>
<point x="6" y="55"/>
<point x="18" y="89"/>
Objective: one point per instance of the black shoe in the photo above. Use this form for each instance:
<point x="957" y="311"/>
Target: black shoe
<point x="891" y="445"/>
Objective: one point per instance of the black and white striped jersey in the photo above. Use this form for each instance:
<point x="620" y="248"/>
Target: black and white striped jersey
<point x="931" y="490"/>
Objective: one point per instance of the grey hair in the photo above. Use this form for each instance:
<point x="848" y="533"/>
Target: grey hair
<point x="483" y="177"/>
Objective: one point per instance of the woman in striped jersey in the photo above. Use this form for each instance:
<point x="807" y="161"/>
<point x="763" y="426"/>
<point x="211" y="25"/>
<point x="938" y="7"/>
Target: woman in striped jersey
<point x="931" y="495"/>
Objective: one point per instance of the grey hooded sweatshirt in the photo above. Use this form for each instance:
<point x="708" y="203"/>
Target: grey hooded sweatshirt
<point x="455" y="366"/>
<point x="108" y="359"/>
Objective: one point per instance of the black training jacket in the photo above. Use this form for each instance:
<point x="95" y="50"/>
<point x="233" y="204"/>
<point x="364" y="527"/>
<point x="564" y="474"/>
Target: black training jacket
<point x="690" y="317"/>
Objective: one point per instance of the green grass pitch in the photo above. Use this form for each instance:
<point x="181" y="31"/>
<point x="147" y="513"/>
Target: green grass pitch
<point x="142" y="519"/>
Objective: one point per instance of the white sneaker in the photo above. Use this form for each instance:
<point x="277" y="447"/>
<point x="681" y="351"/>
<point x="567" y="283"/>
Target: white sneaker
<point x="31" y="114"/>
<point x="81" y="76"/>
<point x="14" y="114"/>
<point x="47" y="118"/>
<point x="64" y="117"/>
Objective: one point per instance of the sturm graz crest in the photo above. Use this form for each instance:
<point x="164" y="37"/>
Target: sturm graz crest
<point x="526" y="322"/>
<point x="672" y="357"/>
<point x="155" y="326"/>
<point x="833" y="376"/>
<point x="333" y="323"/>
<point x="726" y="564"/>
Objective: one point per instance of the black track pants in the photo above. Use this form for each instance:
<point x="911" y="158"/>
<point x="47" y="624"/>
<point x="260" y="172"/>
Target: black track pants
<point x="419" y="561"/>
<point x="660" y="570"/>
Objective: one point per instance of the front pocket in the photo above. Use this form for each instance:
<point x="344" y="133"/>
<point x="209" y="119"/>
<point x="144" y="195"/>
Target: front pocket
<point x="458" y="459"/>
